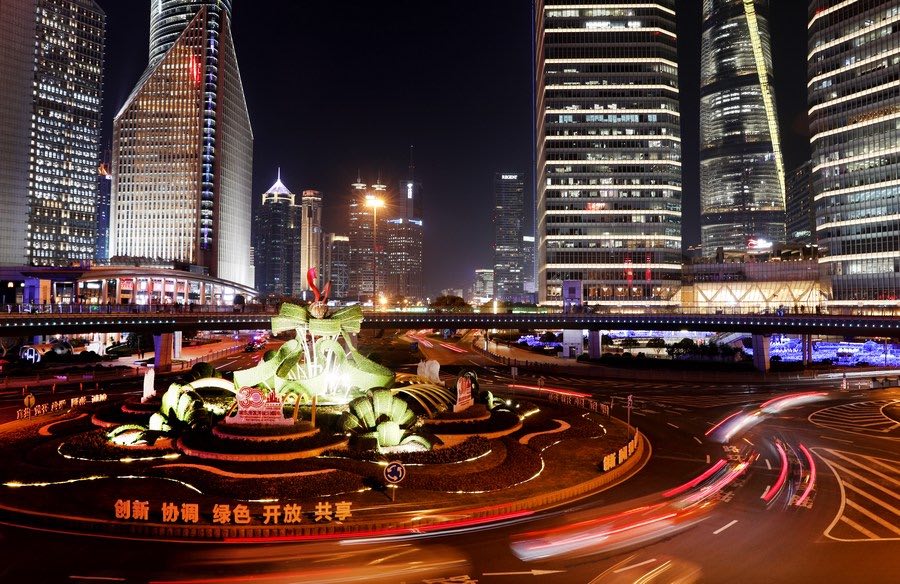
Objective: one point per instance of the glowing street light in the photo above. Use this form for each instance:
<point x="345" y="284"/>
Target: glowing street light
<point x="374" y="203"/>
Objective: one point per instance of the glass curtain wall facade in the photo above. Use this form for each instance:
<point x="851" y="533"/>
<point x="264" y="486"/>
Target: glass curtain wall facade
<point x="337" y="265"/>
<point x="854" y="114"/>
<point x="404" y="258"/>
<point x="182" y="154"/>
<point x="509" y="216"/>
<point x="800" y="217"/>
<point x="169" y="18"/>
<point x="608" y="151"/>
<point x="51" y="64"/>
<point x="742" y="184"/>
<point x="277" y="242"/>
<point x="310" y="240"/>
<point x="366" y="239"/>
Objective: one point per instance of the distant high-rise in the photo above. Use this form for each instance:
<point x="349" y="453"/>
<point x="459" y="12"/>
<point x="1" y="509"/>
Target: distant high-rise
<point x="406" y="241"/>
<point x="183" y="147"/>
<point x="608" y="151"/>
<point x="277" y="243"/>
<point x="310" y="240"/>
<point x="854" y="115"/>
<point x="528" y="251"/>
<point x="368" y="236"/>
<point x="800" y="211"/>
<point x="101" y="253"/>
<point x="51" y="67"/>
<point x="742" y="184"/>
<point x="337" y="265"/>
<point x="509" y="215"/>
<point x="483" y="287"/>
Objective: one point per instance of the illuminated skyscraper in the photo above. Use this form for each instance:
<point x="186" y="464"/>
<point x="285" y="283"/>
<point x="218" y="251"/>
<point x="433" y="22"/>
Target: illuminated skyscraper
<point x="509" y="215"/>
<point x="183" y="147"/>
<point x="406" y="241"/>
<point x="337" y="264"/>
<point x="51" y="67"/>
<point x="310" y="240"/>
<point x="277" y="243"/>
<point x="854" y="115"/>
<point x="800" y="215"/>
<point x="368" y="236"/>
<point x="742" y="185"/>
<point x="608" y="151"/>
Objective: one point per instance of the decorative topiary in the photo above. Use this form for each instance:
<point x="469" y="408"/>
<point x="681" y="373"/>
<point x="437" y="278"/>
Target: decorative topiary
<point x="380" y="419"/>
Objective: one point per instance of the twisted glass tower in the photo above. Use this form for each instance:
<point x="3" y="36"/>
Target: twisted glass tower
<point x="854" y="115"/>
<point x="742" y="184"/>
<point x="608" y="151"/>
<point x="183" y="148"/>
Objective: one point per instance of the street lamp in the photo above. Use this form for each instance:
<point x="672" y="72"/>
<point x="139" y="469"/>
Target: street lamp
<point x="374" y="203"/>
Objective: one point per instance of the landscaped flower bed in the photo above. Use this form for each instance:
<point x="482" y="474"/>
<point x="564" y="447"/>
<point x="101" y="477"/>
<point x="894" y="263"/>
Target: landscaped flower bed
<point x="210" y="443"/>
<point x="249" y="487"/>
<point x="472" y="447"/>
<point x="520" y="464"/>
<point x="499" y="421"/>
<point x="94" y="445"/>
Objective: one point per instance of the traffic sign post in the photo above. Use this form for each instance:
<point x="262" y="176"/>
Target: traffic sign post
<point x="29" y="400"/>
<point x="394" y="473"/>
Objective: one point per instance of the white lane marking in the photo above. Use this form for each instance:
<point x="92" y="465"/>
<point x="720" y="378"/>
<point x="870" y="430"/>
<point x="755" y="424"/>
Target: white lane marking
<point x="748" y="442"/>
<point x="698" y="440"/>
<point x="707" y="459"/>
<point x="673" y="425"/>
<point x="724" y="527"/>
<point x="766" y="491"/>
<point x="768" y="464"/>
<point x="644" y="563"/>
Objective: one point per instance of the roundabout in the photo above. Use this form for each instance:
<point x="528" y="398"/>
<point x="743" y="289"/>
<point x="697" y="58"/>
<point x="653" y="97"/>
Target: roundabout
<point x="299" y="446"/>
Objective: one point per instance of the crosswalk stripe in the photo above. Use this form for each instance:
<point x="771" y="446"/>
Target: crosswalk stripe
<point x="859" y="527"/>
<point x="864" y="479"/>
<point x="880" y="462"/>
<point x="871" y="470"/>
<point x="875" y="518"/>
<point x="879" y="502"/>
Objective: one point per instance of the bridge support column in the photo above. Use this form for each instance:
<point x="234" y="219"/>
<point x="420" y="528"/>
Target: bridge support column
<point x="806" y="348"/>
<point x="176" y="346"/>
<point x="761" y="352"/>
<point x="163" y="348"/>
<point x="595" y="344"/>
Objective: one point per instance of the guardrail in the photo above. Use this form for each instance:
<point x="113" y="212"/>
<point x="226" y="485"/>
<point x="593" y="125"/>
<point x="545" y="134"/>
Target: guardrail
<point x="20" y="309"/>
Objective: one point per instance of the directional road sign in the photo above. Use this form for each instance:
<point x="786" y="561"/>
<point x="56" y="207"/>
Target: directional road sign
<point x="394" y="472"/>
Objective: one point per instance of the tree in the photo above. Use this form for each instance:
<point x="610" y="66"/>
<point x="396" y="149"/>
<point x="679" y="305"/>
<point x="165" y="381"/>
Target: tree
<point x="656" y="343"/>
<point x="449" y="303"/>
<point x="628" y="343"/>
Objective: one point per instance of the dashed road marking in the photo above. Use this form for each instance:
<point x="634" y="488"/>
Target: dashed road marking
<point x="632" y="566"/>
<point x="724" y="527"/>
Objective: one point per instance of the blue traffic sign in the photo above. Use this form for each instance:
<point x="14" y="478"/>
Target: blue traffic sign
<point x="394" y="472"/>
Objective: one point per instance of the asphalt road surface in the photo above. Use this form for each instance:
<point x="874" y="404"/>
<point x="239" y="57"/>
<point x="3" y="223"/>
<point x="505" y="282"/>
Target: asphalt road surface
<point x="819" y="502"/>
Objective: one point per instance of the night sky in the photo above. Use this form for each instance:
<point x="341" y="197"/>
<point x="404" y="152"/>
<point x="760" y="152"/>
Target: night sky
<point x="336" y="87"/>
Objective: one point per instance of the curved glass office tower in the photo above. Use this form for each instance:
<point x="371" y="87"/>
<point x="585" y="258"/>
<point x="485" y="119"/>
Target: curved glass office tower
<point x="608" y="151"/>
<point x="183" y="149"/>
<point x="169" y="18"/>
<point x="742" y="192"/>
<point x="854" y="115"/>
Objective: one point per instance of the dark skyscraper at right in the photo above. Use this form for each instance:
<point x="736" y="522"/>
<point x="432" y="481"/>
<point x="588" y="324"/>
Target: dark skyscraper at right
<point x="854" y="116"/>
<point x="742" y="190"/>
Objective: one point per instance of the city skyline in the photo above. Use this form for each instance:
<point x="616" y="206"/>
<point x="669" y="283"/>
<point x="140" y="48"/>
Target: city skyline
<point x="336" y="130"/>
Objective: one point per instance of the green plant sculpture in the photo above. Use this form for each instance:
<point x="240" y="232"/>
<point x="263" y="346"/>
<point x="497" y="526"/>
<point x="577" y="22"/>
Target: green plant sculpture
<point x="383" y="420"/>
